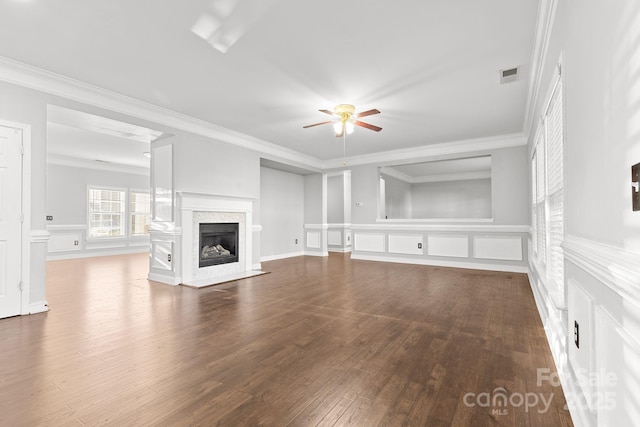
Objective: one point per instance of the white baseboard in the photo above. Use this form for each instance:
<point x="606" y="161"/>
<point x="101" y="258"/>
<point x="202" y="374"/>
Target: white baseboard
<point x="256" y="266"/>
<point x="340" y="250"/>
<point x="38" y="307"/>
<point x="310" y="253"/>
<point x="166" y="279"/>
<point x="442" y="263"/>
<point x="280" y="256"/>
<point x="91" y="254"/>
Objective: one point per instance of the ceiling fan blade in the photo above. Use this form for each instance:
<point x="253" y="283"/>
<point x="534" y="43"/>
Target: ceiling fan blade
<point x="331" y="113"/>
<point x="367" y="113"/>
<point x="317" y="124"/>
<point x="367" y="125"/>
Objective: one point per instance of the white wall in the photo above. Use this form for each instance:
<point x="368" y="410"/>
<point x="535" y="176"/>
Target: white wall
<point x="599" y="46"/>
<point x="398" y="199"/>
<point x="452" y="199"/>
<point x="67" y="190"/>
<point x="509" y="179"/>
<point x="335" y="199"/>
<point x="67" y="203"/>
<point x="282" y="213"/>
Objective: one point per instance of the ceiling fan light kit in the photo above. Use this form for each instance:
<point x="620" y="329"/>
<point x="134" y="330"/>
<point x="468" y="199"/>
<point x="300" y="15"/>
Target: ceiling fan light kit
<point x="344" y="121"/>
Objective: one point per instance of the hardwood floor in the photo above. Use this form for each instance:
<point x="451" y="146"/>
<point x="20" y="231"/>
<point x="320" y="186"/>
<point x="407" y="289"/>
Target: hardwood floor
<point x="319" y="341"/>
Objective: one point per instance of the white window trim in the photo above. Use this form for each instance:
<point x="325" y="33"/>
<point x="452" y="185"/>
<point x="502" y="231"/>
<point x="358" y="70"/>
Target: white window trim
<point x="128" y="209"/>
<point x="88" y="214"/>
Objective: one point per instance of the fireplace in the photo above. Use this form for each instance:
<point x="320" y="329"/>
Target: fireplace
<point x="218" y="243"/>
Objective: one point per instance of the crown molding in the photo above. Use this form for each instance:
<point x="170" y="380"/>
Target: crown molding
<point x="95" y="165"/>
<point x="544" y="25"/>
<point x="31" y="77"/>
<point x="411" y="155"/>
<point x="445" y="177"/>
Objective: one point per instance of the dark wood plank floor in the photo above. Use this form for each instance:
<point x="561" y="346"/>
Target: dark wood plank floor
<point x="319" y="341"/>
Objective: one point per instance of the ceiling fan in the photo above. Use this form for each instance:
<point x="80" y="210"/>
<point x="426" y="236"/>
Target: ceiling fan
<point x="345" y="119"/>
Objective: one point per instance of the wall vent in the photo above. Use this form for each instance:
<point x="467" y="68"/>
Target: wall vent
<point x="509" y="75"/>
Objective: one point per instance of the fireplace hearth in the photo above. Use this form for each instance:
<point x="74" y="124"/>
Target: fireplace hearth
<point x="218" y="243"/>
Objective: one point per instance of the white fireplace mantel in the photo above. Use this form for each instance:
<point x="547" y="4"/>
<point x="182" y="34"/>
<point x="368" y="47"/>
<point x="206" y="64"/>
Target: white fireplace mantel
<point x="198" y="207"/>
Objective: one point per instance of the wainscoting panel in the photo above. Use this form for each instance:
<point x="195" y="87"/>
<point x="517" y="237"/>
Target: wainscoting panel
<point x="65" y="242"/>
<point x="448" y="246"/>
<point x="160" y="255"/>
<point x="617" y="374"/>
<point x="409" y="244"/>
<point x="313" y="239"/>
<point x="497" y="247"/>
<point x="581" y="355"/>
<point x="334" y="237"/>
<point x="369" y="242"/>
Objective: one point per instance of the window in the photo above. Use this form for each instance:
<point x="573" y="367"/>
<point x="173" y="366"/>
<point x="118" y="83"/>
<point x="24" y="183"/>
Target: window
<point x="106" y="213"/>
<point x="109" y="209"/>
<point x="139" y="212"/>
<point x="547" y="170"/>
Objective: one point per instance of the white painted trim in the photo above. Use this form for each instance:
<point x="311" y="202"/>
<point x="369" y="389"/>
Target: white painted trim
<point x="74" y="162"/>
<point x="616" y="268"/>
<point x="39" y="236"/>
<point x="36" y="236"/>
<point x="411" y="155"/>
<point x="442" y="263"/>
<point x="544" y="26"/>
<point x="478" y="228"/>
<point x="38" y="307"/>
<point x="31" y="77"/>
<point x="316" y="226"/>
<point x="389" y="171"/>
<point x="337" y="225"/>
<point x="340" y="250"/>
<point x="432" y="220"/>
<point x="257" y="266"/>
<point x="468" y="176"/>
<point x="281" y="256"/>
<point x="66" y="227"/>
<point x="311" y="253"/>
<point x="99" y="253"/>
<point x="167" y="279"/>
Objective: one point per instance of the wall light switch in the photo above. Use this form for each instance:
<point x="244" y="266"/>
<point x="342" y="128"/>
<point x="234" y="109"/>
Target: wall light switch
<point x="635" y="186"/>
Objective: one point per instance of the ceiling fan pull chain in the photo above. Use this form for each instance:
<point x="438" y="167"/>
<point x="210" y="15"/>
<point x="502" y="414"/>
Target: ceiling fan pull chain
<point x="344" y="148"/>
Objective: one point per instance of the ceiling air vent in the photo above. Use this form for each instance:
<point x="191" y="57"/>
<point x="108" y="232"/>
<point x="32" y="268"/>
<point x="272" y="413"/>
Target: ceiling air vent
<point x="509" y="75"/>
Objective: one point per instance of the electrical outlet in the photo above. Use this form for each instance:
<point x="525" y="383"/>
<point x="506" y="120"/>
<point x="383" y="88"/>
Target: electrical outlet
<point x="296" y="241"/>
<point x="419" y="245"/>
<point x="168" y="257"/>
<point x="76" y="243"/>
<point x="359" y="204"/>
<point x="49" y="217"/>
<point x="576" y="333"/>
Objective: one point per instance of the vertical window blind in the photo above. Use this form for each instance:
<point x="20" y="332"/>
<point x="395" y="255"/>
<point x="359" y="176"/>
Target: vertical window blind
<point x="547" y="178"/>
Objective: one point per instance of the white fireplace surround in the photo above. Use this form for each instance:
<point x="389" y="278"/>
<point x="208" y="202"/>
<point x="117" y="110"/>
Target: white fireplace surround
<point x="196" y="208"/>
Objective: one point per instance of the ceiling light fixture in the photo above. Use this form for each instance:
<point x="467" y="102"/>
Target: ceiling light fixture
<point x="345" y="121"/>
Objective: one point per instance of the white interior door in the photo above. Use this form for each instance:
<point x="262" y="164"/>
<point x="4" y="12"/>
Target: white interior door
<point x="10" y="220"/>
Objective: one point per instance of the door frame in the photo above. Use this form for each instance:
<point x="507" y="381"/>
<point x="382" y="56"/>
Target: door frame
<point x="25" y="262"/>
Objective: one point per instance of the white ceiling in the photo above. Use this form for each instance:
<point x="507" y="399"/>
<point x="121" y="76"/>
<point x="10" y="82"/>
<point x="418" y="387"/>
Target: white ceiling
<point x="431" y="67"/>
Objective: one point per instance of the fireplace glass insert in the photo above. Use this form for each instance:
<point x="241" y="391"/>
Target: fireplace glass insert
<point x="218" y="243"/>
